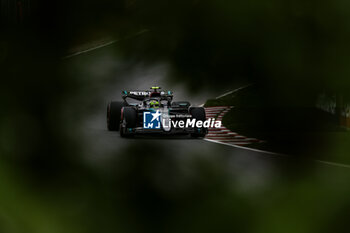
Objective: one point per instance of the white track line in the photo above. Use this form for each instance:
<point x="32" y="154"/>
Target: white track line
<point x="91" y="49"/>
<point x="102" y="45"/>
<point x="333" y="164"/>
<point x="230" y="92"/>
<point x="243" y="147"/>
<point x="277" y="154"/>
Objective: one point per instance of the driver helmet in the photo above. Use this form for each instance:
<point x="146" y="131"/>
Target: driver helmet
<point x="154" y="104"/>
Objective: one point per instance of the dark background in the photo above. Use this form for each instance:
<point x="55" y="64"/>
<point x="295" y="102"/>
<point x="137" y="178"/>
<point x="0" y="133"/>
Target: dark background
<point x="52" y="181"/>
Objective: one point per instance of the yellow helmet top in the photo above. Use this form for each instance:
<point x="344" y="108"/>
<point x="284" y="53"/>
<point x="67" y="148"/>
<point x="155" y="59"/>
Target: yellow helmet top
<point x="154" y="104"/>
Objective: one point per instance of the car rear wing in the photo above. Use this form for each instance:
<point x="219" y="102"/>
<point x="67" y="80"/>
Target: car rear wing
<point x="141" y="95"/>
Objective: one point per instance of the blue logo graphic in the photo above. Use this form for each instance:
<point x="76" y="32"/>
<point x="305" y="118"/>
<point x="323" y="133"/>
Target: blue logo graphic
<point x="151" y="120"/>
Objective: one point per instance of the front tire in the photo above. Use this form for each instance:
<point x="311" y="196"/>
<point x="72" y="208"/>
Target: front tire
<point x="129" y="121"/>
<point x="113" y="115"/>
<point x="199" y="114"/>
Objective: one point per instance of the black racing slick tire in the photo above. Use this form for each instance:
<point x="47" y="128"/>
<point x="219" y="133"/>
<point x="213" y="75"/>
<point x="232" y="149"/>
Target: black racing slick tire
<point x="199" y="114"/>
<point x="129" y="121"/>
<point x="113" y="115"/>
<point x="130" y="117"/>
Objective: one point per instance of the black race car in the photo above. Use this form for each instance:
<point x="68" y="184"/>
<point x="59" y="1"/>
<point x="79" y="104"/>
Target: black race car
<point x="154" y="113"/>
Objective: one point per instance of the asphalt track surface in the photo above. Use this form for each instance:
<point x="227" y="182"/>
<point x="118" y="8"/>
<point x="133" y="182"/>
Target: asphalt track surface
<point x="102" y="78"/>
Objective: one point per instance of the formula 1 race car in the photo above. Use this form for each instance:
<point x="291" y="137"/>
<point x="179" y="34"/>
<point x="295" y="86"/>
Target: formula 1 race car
<point x="154" y="112"/>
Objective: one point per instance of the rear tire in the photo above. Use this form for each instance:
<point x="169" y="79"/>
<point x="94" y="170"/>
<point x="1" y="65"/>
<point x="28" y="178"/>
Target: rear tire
<point x="113" y="115"/>
<point x="199" y="114"/>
